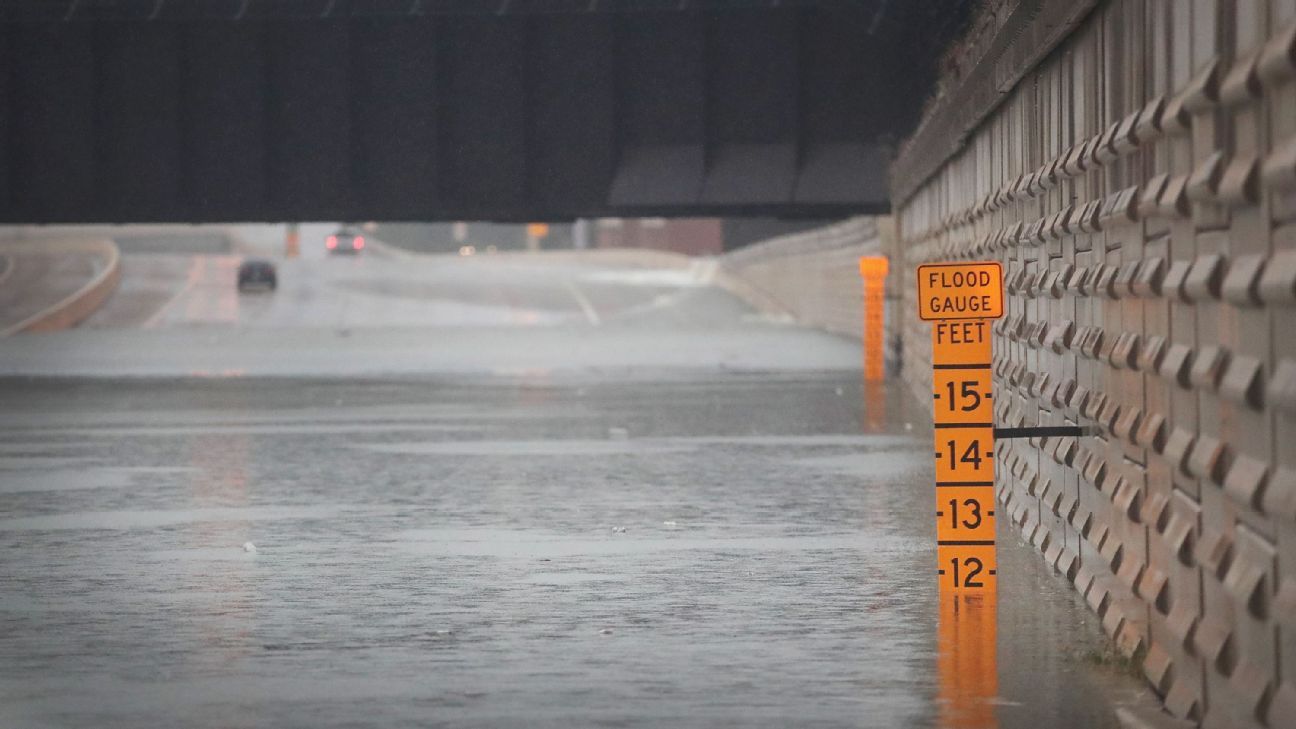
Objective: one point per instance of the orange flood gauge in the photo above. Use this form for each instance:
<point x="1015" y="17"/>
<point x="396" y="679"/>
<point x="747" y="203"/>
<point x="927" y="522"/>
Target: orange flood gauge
<point x="873" y="269"/>
<point x="960" y="299"/>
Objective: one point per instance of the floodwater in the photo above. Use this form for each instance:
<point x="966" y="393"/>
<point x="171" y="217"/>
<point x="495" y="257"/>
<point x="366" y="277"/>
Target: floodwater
<point x="751" y="550"/>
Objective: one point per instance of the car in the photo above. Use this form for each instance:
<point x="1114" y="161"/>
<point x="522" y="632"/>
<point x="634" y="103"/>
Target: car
<point x="345" y="241"/>
<point x="257" y="272"/>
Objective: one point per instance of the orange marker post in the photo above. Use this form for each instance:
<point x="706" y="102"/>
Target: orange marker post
<point x="873" y="269"/>
<point x="961" y="299"/>
<point x="292" y="241"/>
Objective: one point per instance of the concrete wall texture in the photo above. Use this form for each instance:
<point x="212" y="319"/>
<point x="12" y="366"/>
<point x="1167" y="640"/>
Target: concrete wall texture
<point x="813" y="275"/>
<point x="1133" y="165"/>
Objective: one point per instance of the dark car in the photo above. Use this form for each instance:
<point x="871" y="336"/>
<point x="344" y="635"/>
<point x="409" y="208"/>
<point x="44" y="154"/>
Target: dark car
<point x="345" y="241"/>
<point x="257" y="272"/>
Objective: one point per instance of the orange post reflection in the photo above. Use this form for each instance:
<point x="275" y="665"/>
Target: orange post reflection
<point x="224" y="623"/>
<point x="875" y="406"/>
<point x="967" y="663"/>
<point x="873" y="269"/>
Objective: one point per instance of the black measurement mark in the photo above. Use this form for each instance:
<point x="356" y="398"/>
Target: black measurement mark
<point x="975" y="569"/>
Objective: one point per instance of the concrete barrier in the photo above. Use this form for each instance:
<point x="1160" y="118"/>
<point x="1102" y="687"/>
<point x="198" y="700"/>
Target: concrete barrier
<point x="630" y="257"/>
<point x="83" y="302"/>
<point x="812" y="276"/>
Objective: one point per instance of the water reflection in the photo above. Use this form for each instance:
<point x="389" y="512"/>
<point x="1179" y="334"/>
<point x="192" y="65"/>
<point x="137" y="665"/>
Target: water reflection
<point x="223" y="626"/>
<point x="966" y="663"/>
<point x="875" y="406"/>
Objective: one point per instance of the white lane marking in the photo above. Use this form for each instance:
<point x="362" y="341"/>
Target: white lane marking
<point x="194" y="276"/>
<point x="584" y="303"/>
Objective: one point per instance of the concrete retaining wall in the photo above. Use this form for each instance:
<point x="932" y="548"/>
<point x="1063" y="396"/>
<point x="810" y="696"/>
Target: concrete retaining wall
<point x="1133" y="164"/>
<point x="812" y="276"/>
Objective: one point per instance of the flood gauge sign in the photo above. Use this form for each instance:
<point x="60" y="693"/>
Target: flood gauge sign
<point x="961" y="299"/>
<point x="960" y="291"/>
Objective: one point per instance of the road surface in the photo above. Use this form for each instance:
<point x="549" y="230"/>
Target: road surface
<point x="182" y="315"/>
<point x="672" y="512"/>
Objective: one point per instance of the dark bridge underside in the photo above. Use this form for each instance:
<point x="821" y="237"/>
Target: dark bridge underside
<point x="133" y="111"/>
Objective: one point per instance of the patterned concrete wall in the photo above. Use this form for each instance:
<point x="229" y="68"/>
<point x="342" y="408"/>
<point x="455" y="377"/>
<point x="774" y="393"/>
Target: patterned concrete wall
<point x="1136" y="173"/>
<point x="814" y="275"/>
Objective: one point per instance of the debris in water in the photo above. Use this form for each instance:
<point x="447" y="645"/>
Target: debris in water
<point x="618" y="530"/>
<point x="249" y="547"/>
<point x="605" y="631"/>
<point x="669" y="524"/>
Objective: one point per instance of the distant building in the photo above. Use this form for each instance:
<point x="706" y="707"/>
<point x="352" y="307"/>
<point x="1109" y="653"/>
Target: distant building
<point x="691" y="236"/>
<point x="450" y="237"/>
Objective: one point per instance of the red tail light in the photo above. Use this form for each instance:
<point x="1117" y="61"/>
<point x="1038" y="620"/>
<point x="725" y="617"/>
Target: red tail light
<point x="331" y="242"/>
<point x="359" y="242"/>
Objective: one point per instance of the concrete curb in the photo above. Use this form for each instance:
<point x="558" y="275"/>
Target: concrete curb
<point x="80" y="304"/>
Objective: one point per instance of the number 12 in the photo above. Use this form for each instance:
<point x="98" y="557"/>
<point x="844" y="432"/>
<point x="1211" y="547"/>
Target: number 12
<point x="975" y="566"/>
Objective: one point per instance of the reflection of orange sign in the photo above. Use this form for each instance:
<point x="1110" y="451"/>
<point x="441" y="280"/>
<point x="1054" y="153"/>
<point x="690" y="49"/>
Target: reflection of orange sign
<point x="537" y="230"/>
<point x="960" y="291"/>
<point x="967" y="664"/>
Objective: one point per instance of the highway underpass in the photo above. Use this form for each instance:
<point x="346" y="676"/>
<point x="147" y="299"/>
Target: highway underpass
<point x="628" y="488"/>
<point x="558" y="490"/>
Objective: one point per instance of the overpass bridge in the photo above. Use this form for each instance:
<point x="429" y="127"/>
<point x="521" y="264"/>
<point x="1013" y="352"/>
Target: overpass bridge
<point x="245" y="110"/>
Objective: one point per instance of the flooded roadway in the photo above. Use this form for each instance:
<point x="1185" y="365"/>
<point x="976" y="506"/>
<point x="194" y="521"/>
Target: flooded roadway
<point x="678" y="546"/>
